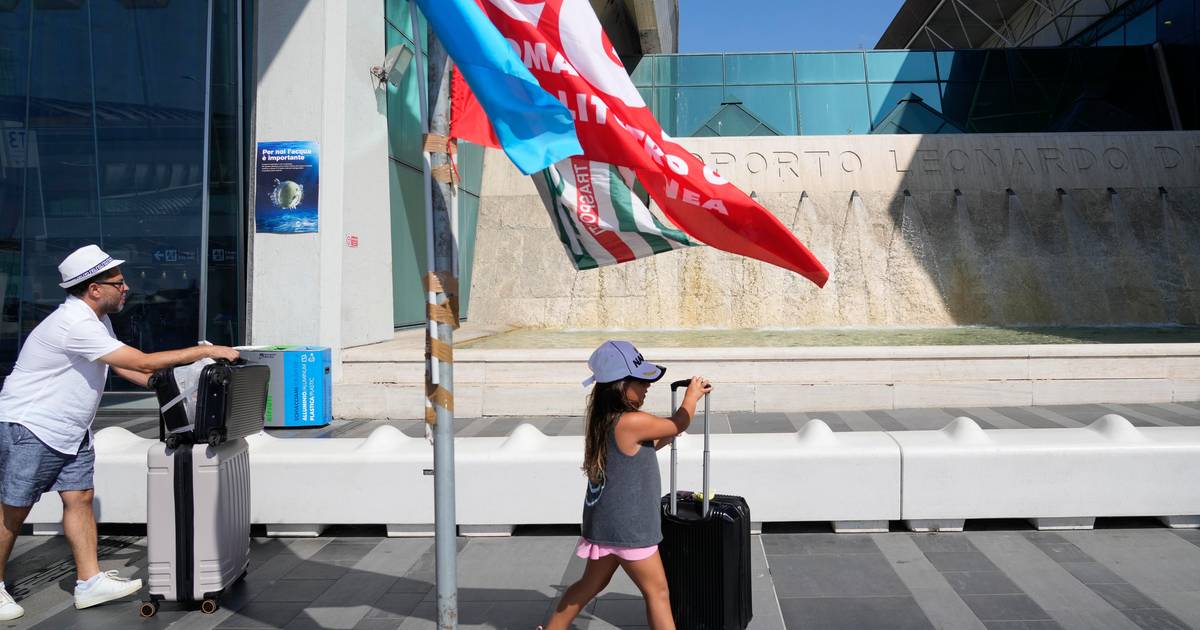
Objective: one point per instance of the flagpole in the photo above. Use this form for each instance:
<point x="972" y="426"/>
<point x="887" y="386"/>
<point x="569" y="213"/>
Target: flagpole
<point x="442" y="313"/>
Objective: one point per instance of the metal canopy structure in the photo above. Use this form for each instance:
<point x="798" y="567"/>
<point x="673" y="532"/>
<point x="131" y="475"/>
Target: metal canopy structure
<point x="939" y="24"/>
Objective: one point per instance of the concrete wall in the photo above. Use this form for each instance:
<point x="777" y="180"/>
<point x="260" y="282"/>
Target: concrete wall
<point x="314" y="84"/>
<point x="916" y="230"/>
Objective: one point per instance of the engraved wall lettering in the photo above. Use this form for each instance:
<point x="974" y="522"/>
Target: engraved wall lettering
<point x="958" y="160"/>
<point x="820" y="163"/>
<point x="1082" y="158"/>
<point x="896" y="163"/>
<point x="786" y="159"/>
<point x="1116" y="158"/>
<point x="851" y="162"/>
<point x="722" y="159"/>
<point x="987" y="154"/>
<point x="929" y="160"/>
<point x="1169" y="157"/>
<point x="1020" y="160"/>
<point x="756" y="162"/>
<point x="1050" y="155"/>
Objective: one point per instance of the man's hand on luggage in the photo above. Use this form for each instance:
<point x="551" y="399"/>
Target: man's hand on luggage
<point x="223" y="352"/>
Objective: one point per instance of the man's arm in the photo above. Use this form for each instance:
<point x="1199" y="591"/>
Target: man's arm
<point x="141" y="379"/>
<point x="132" y="359"/>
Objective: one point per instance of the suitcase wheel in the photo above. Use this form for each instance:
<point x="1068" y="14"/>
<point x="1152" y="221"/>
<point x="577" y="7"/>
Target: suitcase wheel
<point x="172" y="441"/>
<point x="148" y="609"/>
<point x="214" y="438"/>
<point x="209" y="606"/>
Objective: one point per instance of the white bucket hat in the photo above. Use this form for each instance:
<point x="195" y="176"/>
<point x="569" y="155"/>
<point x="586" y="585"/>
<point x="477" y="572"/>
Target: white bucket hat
<point x="84" y="263"/>
<point x="615" y="360"/>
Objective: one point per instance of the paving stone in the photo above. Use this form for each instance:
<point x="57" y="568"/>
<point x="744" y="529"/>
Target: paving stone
<point x="1156" y="619"/>
<point x="832" y="575"/>
<point x="1005" y="607"/>
<point x="981" y="583"/>
<point x="1063" y="552"/>
<point x="960" y="561"/>
<point x="1038" y="624"/>
<point x="294" y="591"/>
<point x="804" y="544"/>
<point x="395" y="605"/>
<point x="1092" y="573"/>
<point x="264" y="615"/>
<point x="311" y="569"/>
<point x="859" y="613"/>
<point x="620" y="612"/>
<point x="1123" y="596"/>
<point x="942" y="542"/>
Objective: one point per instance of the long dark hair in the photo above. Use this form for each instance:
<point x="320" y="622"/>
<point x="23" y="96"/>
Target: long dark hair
<point x="605" y="405"/>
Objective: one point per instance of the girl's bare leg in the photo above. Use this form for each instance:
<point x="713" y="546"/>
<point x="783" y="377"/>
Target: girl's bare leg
<point x="596" y="575"/>
<point x="651" y="580"/>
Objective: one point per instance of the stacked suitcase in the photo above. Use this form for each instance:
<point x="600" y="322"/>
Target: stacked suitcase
<point x="706" y="551"/>
<point x="198" y="486"/>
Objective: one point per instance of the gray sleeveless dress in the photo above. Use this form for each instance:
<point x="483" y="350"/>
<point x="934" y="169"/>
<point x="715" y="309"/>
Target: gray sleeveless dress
<point x="623" y="509"/>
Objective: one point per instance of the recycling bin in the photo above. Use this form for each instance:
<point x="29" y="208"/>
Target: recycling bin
<point x="300" y="393"/>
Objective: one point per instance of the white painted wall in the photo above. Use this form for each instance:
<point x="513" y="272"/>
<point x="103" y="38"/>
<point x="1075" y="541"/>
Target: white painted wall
<point x="314" y="84"/>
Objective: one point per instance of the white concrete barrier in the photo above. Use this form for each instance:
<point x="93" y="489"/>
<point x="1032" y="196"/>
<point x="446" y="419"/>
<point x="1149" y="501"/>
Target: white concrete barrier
<point x="300" y="485"/>
<point x="1057" y="478"/>
<point x="857" y="480"/>
<point x="120" y="482"/>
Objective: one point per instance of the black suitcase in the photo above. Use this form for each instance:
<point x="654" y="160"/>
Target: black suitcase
<point x="230" y="404"/>
<point x="232" y="401"/>
<point x="706" y="551"/>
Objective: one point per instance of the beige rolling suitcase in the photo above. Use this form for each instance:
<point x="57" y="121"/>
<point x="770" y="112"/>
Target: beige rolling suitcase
<point x="198" y="529"/>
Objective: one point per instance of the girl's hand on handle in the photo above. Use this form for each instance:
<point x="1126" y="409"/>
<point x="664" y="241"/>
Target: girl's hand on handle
<point x="697" y="389"/>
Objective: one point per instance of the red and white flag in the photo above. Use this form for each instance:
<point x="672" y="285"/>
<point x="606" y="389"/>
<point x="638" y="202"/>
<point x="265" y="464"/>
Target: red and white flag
<point x="563" y="45"/>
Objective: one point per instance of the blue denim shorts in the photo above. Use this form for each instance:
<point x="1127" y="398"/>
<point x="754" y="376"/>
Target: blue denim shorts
<point x="29" y="468"/>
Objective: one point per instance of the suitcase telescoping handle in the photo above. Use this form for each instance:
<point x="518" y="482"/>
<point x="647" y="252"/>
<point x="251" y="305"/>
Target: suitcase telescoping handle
<point x="675" y="452"/>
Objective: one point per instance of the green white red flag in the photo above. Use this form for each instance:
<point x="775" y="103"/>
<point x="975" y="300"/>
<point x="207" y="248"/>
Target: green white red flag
<point x="599" y="219"/>
<point x="565" y="49"/>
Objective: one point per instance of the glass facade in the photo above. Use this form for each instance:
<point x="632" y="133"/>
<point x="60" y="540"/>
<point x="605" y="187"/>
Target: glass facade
<point x="973" y="91"/>
<point x="407" y="179"/>
<point x="105" y="138"/>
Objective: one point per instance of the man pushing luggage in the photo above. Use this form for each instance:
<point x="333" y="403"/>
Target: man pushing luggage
<point x="46" y="410"/>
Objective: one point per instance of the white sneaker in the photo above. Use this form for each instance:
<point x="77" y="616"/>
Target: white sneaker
<point x="8" y="607"/>
<point x="107" y="587"/>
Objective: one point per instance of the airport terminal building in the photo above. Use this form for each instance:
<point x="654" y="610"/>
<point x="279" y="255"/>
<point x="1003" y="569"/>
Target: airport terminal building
<point x="1004" y="163"/>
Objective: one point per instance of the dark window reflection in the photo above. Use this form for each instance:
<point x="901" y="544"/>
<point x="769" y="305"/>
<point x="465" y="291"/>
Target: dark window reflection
<point x="102" y="140"/>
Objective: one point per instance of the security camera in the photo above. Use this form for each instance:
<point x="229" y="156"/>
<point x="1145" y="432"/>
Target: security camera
<point x="395" y="63"/>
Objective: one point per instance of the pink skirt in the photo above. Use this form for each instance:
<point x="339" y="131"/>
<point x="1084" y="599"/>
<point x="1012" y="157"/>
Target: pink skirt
<point x="590" y="551"/>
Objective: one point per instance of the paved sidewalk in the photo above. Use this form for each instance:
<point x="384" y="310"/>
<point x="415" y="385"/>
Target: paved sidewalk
<point x="1127" y="573"/>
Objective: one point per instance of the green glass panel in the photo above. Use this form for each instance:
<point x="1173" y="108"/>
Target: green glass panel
<point x="774" y="105"/>
<point x="643" y="73"/>
<point x="733" y="121"/>
<point x="690" y="70"/>
<point x="885" y="96"/>
<point x="404" y="111"/>
<point x="407" y="196"/>
<point x="900" y="66"/>
<point x="1115" y="38"/>
<point x="758" y="69"/>
<point x="683" y="110"/>
<point x="470" y="166"/>
<point x="1142" y="29"/>
<point x="830" y="68"/>
<point x="468" y="221"/>
<point x="396" y="12"/>
<point x="833" y="109"/>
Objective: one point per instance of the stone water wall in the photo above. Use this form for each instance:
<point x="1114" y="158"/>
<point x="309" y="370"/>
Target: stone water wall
<point x="1076" y="229"/>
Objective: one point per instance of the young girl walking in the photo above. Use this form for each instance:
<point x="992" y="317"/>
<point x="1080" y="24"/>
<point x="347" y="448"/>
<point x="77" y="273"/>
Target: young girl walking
<point x="621" y="518"/>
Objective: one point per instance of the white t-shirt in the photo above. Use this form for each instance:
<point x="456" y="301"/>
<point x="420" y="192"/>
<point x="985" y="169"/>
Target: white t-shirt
<point x="55" y="388"/>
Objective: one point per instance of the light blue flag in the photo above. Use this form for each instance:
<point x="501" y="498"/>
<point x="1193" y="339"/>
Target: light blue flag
<point x="533" y="127"/>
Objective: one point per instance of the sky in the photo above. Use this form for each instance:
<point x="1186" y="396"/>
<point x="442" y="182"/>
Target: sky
<point x="779" y="25"/>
